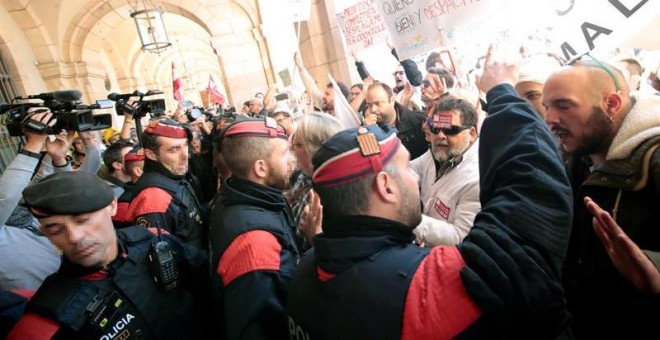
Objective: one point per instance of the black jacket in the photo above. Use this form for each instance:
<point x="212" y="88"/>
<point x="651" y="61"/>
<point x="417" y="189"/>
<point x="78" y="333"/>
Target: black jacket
<point x="169" y="202"/>
<point x="253" y="256"/>
<point x="597" y="293"/>
<point x="123" y="299"/>
<point x="409" y="126"/>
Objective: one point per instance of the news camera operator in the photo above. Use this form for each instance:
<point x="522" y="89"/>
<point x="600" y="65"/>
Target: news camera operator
<point x="71" y="115"/>
<point x="28" y="256"/>
<point x="134" y="107"/>
<point x="86" y="154"/>
<point x="127" y="125"/>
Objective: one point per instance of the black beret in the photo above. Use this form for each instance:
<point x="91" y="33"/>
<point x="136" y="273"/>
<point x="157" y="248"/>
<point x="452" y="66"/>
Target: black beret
<point x="353" y="154"/>
<point x="67" y="193"/>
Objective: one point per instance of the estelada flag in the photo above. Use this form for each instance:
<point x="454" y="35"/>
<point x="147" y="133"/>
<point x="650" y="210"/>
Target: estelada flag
<point x="214" y="92"/>
<point x="176" y="84"/>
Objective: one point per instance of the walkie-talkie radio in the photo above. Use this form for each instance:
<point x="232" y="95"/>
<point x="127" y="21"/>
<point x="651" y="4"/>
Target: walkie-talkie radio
<point x="163" y="263"/>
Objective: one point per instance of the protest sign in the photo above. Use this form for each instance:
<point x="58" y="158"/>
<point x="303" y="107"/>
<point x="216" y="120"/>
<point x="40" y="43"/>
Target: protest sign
<point x="362" y="24"/>
<point x="414" y="25"/>
<point x="600" y="25"/>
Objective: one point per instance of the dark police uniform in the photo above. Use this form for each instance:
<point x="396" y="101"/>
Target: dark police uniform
<point x="121" y="219"/>
<point x="168" y="201"/>
<point x="253" y="250"/>
<point x="122" y="300"/>
<point x="364" y="278"/>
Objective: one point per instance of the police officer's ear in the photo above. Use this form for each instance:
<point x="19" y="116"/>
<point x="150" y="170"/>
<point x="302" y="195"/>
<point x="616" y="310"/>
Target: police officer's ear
<point x="385" y="188"/>
<point x="137" y="171"/>
<point x="150" y="154"/>
<point x="260" y="169"/>
<point x="117" y="166"/>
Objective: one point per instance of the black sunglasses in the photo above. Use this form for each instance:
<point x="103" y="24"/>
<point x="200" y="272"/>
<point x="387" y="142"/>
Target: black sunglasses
<point x="452" y="131"/>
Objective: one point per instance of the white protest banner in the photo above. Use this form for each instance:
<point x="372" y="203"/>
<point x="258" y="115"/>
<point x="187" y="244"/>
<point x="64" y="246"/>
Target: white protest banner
<point x="362" y="25"/>
<point x="583" y="26"/>
<point x="414" y="25"/>
<point x="343" y="110"/>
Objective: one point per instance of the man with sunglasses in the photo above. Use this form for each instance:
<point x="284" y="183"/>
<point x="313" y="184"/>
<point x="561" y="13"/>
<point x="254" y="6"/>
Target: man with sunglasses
<point x="612" y="139"/>
<point x="449" y="174"/>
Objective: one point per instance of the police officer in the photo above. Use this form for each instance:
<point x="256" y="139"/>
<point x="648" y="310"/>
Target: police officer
<point x="366" y="279"/>
<point x="124" y="284"/>
<point x="162" y="196"/>
<point x="253" y="244"/>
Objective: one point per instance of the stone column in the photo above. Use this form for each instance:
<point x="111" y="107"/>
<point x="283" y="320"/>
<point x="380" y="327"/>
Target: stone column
<point x="321" y="45"/>
<point x="244" y="67"/>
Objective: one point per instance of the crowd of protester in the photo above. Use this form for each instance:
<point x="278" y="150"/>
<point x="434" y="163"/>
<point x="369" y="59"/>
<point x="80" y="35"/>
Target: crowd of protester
<point x="521" y="204"/>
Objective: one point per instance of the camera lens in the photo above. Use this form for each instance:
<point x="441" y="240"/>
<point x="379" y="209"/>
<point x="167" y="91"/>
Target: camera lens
<point x="194" y="113"/>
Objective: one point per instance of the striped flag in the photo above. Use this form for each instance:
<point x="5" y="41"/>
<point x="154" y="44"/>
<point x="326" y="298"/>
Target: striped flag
<point x="214" y="93"/>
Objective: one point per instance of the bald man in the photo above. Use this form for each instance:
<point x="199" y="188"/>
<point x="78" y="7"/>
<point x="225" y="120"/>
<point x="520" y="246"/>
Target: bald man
<point x="612" y="139"/>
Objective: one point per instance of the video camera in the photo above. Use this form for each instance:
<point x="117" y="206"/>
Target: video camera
<point x="229" y="113"/>
<point x="195" y="112"/>
<point x="66" y="107"/>
<point x="139" y="108"/>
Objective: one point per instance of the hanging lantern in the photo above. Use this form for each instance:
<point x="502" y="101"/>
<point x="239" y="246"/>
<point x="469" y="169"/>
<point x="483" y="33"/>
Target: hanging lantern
<point x="151" y="29"/>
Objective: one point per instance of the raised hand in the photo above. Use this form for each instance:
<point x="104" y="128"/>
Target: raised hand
<point x="626" y="256"/>
<point x="57" y="148"/>
<point x="312" y="216"/>
<point x="496" y="72"/>
<point x="35" y="140"/>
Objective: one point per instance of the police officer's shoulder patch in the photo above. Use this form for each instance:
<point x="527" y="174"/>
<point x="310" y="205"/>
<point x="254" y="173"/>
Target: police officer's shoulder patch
<point x="143" y="221"/>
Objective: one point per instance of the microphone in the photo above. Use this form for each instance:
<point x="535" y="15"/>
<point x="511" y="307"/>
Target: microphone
<point x="124" y="96"/>
<point x="116" y="96"/>
<point x="63" y="96"/>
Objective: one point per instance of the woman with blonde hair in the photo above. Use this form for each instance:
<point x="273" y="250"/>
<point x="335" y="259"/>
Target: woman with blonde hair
<point x="313" y="129"/>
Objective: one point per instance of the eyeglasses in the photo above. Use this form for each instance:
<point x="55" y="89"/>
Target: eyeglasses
<point x="453" y="131"/>
<point x="598" y="64"/>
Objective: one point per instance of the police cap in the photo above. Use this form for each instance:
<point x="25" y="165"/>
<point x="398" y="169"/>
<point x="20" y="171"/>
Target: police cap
<point x="354" y="154"/>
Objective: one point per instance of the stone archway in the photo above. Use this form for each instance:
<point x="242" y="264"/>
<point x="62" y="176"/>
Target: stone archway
<point x="26" y="45"/>
<point x="232" y="28"/>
